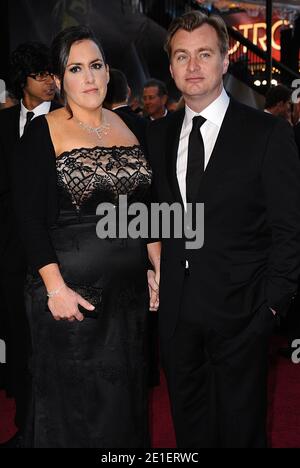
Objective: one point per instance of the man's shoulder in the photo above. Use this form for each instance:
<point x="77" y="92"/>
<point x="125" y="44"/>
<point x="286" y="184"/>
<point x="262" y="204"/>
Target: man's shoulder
<point x="172" y="119"/>
<point x="252" y="113"/>
<point x="257" y="121"/>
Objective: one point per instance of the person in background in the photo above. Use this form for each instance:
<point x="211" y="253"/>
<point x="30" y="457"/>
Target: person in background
<point x="117" y="97"/>
<point x="278" y="102"/>
<point x="136" y="105"/>
<point x="155" y="96"/>
<point x="172" y="104"/>
<point x="33" y="85"/>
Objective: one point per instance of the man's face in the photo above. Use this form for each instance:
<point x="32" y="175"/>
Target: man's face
<point x="196" y="63"/>
<point x="153" y="103"/>
<point x="40" y="90"/>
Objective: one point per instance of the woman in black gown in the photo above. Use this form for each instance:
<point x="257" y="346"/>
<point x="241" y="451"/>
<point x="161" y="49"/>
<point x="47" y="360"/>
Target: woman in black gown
<point x="89" y="354"/>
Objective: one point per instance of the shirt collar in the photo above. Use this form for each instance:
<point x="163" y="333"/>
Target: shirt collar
<point x="119" y="106"/>
<point x="214" y="113"/>
<point x="41" y="109"/>
<point x="166" y="111"/>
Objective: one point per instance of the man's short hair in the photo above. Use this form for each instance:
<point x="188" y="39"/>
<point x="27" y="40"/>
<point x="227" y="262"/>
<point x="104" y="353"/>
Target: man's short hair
<point x="277" y="94"/>
<point x="27" y="58"/>
<point x="194" y="20"/>
<point x="117" y="88"/>
<point x="154" y="83"/>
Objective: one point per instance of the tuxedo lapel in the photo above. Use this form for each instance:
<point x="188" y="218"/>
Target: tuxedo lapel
<point x="224" y="148"/>
<point x="173" y="136"/>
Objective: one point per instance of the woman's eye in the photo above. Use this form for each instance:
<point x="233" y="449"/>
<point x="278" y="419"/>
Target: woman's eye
<point x="97" y="66"/>
<point x="74" y="69"/>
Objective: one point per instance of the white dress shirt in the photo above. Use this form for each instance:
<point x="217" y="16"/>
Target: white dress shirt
<point x="214" y="115"/>
<point x="41" y="109"/>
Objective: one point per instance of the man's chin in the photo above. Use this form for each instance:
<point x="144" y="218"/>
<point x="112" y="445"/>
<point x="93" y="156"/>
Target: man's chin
<point x="49" y="97"/>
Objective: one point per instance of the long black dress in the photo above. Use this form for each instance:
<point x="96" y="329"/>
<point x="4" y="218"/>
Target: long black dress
<point x="90" y="377"/>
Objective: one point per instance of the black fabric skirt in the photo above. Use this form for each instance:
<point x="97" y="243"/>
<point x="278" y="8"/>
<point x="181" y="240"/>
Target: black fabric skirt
<point x="90" y="377"/>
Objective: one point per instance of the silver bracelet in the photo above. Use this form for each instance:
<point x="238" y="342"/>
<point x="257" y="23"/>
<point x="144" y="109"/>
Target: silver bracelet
<point x="55" y="291"/>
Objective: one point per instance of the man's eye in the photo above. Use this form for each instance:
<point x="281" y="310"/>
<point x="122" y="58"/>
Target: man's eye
<point x="180" y="58"/>
<point x="205" y="55"/>
<point x="74" y="69"/>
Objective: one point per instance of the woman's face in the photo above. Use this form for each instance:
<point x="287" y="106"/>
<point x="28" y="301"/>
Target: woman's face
<point x="86" y="76"/>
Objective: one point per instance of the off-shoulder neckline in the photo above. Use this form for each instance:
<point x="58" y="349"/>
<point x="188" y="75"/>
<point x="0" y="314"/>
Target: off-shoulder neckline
<point x="100" y="147"/>
<point x="128" y="147"/>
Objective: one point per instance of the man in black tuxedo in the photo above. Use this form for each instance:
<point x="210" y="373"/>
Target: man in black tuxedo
<point x="33" y="84"/>
<point x="219" y="303"/>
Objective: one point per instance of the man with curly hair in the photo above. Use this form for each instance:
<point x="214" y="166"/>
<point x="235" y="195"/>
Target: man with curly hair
<point x="33" y="85"/>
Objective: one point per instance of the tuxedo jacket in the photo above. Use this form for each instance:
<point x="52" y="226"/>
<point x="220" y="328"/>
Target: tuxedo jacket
<point x="11" y="254"/>
<point x="251" y="194"/>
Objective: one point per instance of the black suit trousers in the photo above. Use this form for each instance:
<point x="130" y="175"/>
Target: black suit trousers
<point x="218" y="385"/>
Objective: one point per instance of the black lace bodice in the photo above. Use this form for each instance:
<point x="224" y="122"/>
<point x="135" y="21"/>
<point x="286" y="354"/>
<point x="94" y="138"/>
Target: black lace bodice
<point x="89" y="176"/>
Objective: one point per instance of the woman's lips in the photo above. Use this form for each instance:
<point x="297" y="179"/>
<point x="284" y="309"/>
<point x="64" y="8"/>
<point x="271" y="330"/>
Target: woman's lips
<point x="91" y="91"/>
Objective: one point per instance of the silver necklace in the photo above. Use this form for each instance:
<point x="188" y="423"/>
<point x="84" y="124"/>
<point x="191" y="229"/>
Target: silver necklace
<point x="100" y="131"/>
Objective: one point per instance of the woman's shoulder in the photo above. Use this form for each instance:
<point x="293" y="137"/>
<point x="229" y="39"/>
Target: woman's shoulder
<point x="56" y="116"/>
<point x="120" y="133"/>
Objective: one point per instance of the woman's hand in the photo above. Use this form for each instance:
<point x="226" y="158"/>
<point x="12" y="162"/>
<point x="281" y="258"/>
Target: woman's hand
<point x="154" y="250"/>
<point x="64" y="305"/>
<point x="153" y="284"/>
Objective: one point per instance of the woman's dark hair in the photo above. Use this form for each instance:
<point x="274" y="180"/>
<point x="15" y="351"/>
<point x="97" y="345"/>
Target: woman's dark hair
<point x="61" y="46"/>
<point x="27" y="58"/>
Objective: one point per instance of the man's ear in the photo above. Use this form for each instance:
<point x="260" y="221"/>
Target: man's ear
<point x="171" y="71"/>
<point x="164" y="99"/>
<point x="57" y="82"/>
<point x="225" y="64"/>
